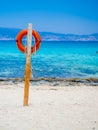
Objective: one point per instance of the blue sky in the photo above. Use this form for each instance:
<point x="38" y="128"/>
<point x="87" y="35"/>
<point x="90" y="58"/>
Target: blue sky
<point x="61" y="16"/>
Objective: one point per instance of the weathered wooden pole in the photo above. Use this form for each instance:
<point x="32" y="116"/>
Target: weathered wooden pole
<point x="28" y="65"/>
<point x="29" y="49"/>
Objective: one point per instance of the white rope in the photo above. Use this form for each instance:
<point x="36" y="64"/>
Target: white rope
<point x="25" y="44"/>
<point x="33" y="54"/>
<point x="34" y="49"/>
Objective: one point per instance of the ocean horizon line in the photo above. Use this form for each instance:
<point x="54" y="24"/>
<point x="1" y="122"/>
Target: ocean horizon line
<point x="11" y="33"/>
<point x="50" y="40"/>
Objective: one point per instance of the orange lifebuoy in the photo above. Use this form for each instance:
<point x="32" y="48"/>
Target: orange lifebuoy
<point x="22" y="47"/>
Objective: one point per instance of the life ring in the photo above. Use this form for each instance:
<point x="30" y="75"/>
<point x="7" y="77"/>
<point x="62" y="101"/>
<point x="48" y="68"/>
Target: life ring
<point x="21" y="47"/>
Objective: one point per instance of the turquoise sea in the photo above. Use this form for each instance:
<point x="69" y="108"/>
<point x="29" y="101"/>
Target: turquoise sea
<point x="53" y="59"/>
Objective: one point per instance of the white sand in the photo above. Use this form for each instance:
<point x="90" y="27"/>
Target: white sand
<point x="51" y="108"/>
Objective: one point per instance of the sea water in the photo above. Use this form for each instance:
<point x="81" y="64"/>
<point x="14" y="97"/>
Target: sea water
<point x="53" y="59"/>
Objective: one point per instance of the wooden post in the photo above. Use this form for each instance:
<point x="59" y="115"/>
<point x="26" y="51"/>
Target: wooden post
<point x="28" y="65"/>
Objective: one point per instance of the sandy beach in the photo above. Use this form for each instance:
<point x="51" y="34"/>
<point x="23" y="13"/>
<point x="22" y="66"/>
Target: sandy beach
<point x="50" y="107"/>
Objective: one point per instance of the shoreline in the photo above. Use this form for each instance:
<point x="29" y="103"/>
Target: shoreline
<point x="54" y="81"/>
